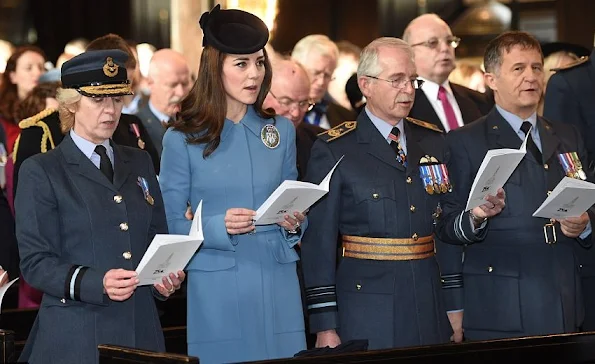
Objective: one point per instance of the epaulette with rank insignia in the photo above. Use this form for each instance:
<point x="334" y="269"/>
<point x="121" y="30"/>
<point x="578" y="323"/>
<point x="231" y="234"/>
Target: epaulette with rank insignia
<point x="572" y="65"/>
<point x="338" y="131"/>
<point x="424" y="124"/>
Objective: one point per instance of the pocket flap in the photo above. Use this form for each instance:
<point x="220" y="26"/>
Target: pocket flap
<point x="365" y="277"/>
<point x="210" y="260"/>
<point x="373" y="192"/>
<point x="483" y="262"/>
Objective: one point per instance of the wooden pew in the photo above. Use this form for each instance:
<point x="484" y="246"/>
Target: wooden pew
<point x="111" y="354"/>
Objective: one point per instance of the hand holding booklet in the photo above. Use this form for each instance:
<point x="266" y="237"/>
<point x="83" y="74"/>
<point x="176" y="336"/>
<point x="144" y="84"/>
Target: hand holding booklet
<point x="571" y="198"/>
<point x="5" y="287"/>
<point x="496" y="168"/>
<point x="290" y="197"/>
<point x="170" y="253"/>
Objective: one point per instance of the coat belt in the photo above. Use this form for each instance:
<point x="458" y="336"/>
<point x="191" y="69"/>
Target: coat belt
<point x="361" y="247"/>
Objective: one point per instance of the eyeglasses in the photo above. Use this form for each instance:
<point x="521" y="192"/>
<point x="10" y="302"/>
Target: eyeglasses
<point x="304" y="105"/>
<point x="433" y="43"/>
<point x="401" y="82"/>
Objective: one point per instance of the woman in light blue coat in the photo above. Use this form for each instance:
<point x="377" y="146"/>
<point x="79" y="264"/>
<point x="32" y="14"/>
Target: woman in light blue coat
<point x="244" y="298"/>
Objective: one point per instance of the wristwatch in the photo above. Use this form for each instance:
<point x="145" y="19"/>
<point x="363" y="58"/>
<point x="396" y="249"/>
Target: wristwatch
<point x="477" y="221"/>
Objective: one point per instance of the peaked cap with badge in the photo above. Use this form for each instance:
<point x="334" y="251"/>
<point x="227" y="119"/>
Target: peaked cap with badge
<point x="233" y="31"/>
<point x="99" y="73"/>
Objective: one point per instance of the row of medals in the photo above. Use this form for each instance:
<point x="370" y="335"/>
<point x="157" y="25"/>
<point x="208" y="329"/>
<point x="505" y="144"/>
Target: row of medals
<point x="434" y="175"/>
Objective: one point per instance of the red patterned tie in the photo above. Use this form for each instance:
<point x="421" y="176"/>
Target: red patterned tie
<point x="448" y="110"/>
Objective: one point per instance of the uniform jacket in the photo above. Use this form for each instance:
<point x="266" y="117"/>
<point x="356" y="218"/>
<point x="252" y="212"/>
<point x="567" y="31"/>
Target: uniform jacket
<point x="72" y="226"/>
<point x="506" y="278"/>
<point x="306" y="135"/>
<point x="473" y="105"/>
<point x="372" y="195"/>
<point x="569" y="99"/>
<point x="243" y="293"/>
<point x="42" y="132"/>
<point x="153" y="125"/>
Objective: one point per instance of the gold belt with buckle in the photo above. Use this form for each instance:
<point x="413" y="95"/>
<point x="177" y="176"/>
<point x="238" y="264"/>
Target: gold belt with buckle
<point x="361" y="247"/>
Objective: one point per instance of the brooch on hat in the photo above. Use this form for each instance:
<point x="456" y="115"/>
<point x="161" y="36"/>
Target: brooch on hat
<point x="110" y="69"/>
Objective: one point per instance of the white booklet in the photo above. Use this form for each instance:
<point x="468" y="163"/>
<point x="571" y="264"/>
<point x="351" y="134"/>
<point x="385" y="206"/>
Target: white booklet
<point x="290" y="197"/>
<point x="5" y="287"/>
<point x="169" y="253"/>
<point x="496" y="168"/>
<point x="571" y="198"/>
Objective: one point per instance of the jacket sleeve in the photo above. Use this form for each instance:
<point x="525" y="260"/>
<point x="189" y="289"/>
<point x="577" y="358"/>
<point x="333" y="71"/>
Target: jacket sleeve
<point x="175" y="180"/>
<point x="561" y="104"/>
<point x="39" y="239"/>
<point x="290" y="173"/>
<point x="319" y="246"/>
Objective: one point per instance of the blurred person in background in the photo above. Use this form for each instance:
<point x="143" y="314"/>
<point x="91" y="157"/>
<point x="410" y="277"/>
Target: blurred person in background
<point x="23" y="69"/>
<point x="346" y="66"/>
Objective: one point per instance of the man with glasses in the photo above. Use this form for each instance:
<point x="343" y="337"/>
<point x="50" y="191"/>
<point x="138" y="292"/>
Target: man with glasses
<point x="445" y="104"/>
<point x="318" y="54"/>
<point x="386" y="287"/>
<point x="289" y="97"/>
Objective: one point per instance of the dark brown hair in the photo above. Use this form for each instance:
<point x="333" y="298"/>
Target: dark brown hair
<point x="203" y="111"/>
<point x="34" y="103"/>
<point x="9" y="97"/>
<point x="113" y="41"/>
<point x="492" y="59"/>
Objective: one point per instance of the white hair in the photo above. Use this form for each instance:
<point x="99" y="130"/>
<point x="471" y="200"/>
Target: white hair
<point x="368" y="61"/>
<point x="318" y="43"/>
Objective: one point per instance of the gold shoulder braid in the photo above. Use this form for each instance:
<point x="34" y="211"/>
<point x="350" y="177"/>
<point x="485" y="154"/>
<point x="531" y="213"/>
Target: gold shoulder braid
<point x="37" y="120"/>
<point x="580" y="61"/>
<point x="338" y="131"/>
<point x="424" y="124"/>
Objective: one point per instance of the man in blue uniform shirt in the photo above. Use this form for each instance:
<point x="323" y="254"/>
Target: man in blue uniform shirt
<point x="502" y="277"/>
<point x="386" y="287"/>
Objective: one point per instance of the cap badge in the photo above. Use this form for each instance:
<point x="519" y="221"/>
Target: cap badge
<point x="110" y="69"/>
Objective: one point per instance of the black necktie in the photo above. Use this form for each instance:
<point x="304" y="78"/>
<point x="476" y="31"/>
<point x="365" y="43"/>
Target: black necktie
<point x="105" y="166"/>
<point x="396" y="145"/>
<point x="531" y="146"/>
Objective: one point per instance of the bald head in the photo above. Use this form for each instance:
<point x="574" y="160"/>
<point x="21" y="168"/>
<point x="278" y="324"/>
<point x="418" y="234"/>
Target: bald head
<point x="169" y="80"/>
<point x="290" y="86"/>
<point x="432" y="42"/>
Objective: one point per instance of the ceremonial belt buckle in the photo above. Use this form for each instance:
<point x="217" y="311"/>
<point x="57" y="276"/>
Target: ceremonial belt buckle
<point x="549" y="232"/>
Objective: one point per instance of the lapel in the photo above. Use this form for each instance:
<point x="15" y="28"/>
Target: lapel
<point x="84" y="167"/>
<point x="423" y="110"/>
<point x="414" y="150"/>
<point x="121" y="167"/>
<point x="465" y="104"/>
<point x="549" y="140"/>
<point x="378" y="147"/>
<point x="500" y="133"/>
<point x="252" y="121"/>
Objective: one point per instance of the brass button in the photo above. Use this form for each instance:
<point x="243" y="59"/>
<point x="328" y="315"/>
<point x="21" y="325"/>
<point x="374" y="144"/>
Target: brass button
<point x="412" y="208"/>
<point x="549" y="193"/>
<point x="580" y="266"/>
<point x="490" y="269"/>
<point x="63" y="300"/>
<point x="415" y="236"/>
<point x="409" y="180"/>
<point x="546" y="166"/>
<point x="375" y="196"/>
<point x="118" y="198"/>
<point x="358" y="286"/>
<point x="124" y="226"/>
<point x="127" y="255"/>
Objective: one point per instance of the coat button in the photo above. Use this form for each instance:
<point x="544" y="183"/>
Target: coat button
<point x="375" y="196"/>
<point x="490" y="269"/>
<point x="412" y="208"/>
<point x="127" y="255"/>
<point x="409" y="180"/>
<point x="549" y="193"/>
<point x="118" y="198"/>
<point x="124" y="226"/>
<point x="415" y="236"/>
<point x="63" y="300"/>
<point x="546" y="166"/>
<point x="358" y="286"/>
